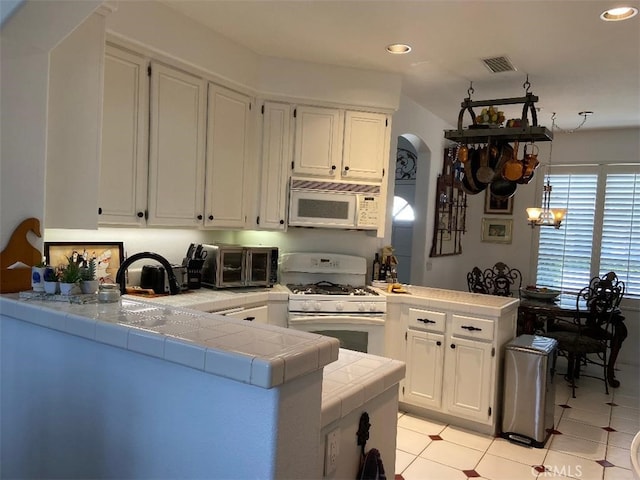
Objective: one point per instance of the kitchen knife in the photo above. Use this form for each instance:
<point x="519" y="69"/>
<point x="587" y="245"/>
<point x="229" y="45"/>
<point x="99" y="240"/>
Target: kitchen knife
<point x="190" y="251"/>
<point x="198" y="253"/>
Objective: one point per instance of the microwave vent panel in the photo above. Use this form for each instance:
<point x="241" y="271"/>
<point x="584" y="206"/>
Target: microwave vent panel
<point x="318" y="186"/>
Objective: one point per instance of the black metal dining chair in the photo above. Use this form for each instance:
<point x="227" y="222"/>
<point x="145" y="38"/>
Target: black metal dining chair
<point x="590" y="332"/>
<point x="497" y="280"/>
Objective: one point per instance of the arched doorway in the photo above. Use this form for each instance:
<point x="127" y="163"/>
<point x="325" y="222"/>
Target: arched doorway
<point x="403" y="214"/>
<point x="408" y="227"/>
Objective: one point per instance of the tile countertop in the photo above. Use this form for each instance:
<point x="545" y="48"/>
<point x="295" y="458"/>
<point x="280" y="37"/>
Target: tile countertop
<point x="257" y="354"/>
<point x="354" y="379"/>
<point x="465" y="302"/>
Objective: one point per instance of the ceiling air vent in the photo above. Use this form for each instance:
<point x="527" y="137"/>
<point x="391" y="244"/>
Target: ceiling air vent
<point x="499" y="64"/>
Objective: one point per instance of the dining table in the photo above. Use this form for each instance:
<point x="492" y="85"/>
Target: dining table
<point x="536" y="316"/>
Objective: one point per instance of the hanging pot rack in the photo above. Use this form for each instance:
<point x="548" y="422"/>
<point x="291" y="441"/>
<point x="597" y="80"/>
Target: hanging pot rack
<point x="525" y="132"/>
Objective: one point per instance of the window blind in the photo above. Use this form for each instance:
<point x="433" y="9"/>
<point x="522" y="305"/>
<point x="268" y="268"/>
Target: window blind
<point x="601" y="232"/>
<point x="564" y="255"/>
<point x="621" y="230"/>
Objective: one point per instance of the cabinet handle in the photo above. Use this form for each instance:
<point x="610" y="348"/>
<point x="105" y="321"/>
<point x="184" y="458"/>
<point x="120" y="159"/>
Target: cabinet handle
<point x="333" y="167"/>
<point x="425" y="320"/>
<point x="140" y="214"/>
<point x="99" y="210"/>
<point x="249" y="319"/>
<point x="453" y="345"/>
<point x="438" y="343"/>
<point x="471" y="328"/>
<point x="199" y="217"/>
<point x="281" y="222"/>
<point x="346" y="169"/>
<point x="210" y="217"/>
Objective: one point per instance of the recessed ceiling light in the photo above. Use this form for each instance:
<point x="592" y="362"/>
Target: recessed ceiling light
<point x="617" y="14"/>
<point x="398" y="48"/>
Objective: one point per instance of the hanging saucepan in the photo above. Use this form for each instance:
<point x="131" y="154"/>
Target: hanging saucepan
<point x="463" y="153"/>
<point x="469" y="182"/>
<point x="476" y="163"/>
<point x="485" y="173"/>
<point x="513" y="169"/>
<point x="471" y="172"/>
<point x="530" y="162"/>
<point x="505" y="154"/>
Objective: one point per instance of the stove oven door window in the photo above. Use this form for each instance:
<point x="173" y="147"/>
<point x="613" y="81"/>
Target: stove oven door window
<point x="360" y="333"/>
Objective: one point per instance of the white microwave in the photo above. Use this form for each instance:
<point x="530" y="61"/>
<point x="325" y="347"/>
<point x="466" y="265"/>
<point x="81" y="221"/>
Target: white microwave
<point x="333" y="205"/>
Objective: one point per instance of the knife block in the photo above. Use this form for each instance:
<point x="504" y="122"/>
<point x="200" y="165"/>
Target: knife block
<point x="194" y="273"/>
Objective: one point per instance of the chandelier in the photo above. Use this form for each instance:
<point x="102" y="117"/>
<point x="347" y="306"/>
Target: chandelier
<point x="547" y="216"/>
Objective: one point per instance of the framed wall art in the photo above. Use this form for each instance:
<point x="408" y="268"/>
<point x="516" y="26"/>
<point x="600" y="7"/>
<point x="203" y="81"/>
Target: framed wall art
<point x="497" y="230"/>
<point x="108" y="255"/>
<point x="496" y="205"/>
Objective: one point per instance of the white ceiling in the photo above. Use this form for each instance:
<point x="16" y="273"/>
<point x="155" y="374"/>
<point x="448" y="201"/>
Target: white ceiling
<point x="574" y="60"/>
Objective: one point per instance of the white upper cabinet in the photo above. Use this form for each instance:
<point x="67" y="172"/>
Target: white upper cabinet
<point x="123" y="172"/>
<point x="365" y="138"/>
<point x="228" y="133"/>
<point x="276" y="159"/>
<point x="318" y="141"/>
<point x="73" y="127"/>
<point x="338" y="144"/>
<point x="176" y="147"/>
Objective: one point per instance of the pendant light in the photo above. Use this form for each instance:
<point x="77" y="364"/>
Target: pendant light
<point x="547" y="216"/>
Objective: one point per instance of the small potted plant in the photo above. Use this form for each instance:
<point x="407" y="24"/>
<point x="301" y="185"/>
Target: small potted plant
<point x="88" y="282"/>
<point x="51" y="284"/>
<point x="69" y="278"/>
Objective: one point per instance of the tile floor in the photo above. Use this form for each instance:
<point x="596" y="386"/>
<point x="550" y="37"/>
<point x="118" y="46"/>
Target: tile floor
<point x="594" y="433"/>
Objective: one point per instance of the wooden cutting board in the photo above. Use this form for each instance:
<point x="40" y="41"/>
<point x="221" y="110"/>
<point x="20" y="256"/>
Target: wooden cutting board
<point x="19" y="249"/>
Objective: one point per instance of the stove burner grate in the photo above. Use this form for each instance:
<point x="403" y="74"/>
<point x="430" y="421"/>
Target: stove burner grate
<point x="329" y="288"/>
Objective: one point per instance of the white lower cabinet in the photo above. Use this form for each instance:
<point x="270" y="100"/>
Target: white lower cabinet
<point x="425" y="358"/>
<point x="469" y="370"/>
<point x="452" y="364"/>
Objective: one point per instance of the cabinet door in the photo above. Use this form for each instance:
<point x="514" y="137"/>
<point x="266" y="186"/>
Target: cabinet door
<point x="424" y="359"/>
<point x="123" y="171"/>
<point x="227" y="156"/>
<point x="276" y="157"/>
<point x="468" y="378"/>
<point x="318" y="141"/>
<point x="176" y="157"/>
<point x="364" y="153"/>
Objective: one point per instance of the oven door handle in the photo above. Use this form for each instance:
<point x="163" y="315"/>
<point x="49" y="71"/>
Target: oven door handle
<point x="302" y="318"/>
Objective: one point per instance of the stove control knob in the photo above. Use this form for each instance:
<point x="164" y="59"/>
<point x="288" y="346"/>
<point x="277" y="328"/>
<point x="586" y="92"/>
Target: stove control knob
<point x="339" y="306"/>
<point x="372" y="307"/>
<point x="317" y="306"/>
<point x="361" y="307"/>
<point x="305" y="305"/>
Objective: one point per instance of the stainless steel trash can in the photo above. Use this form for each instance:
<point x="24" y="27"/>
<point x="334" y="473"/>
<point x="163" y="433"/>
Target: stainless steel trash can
<point x="529" y="392"/>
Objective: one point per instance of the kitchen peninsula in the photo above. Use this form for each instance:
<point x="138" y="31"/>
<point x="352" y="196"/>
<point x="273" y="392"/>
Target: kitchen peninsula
<point x="144" y="390"/>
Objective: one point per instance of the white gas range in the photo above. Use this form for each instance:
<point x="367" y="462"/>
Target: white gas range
<point x="328" y="295"/>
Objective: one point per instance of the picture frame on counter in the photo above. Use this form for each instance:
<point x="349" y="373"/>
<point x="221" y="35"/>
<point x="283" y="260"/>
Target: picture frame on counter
<point x="497" y="230"/>
<point x="496" y="205"/>
<point x="108" y="255"/>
